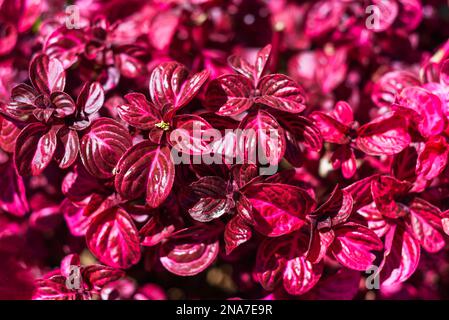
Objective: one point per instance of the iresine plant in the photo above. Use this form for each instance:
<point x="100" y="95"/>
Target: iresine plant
<point x="227" y="149"/>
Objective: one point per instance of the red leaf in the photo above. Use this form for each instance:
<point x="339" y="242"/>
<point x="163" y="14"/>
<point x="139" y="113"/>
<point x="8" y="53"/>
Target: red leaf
<point x="68" y="141"/>
<point x="91" y="98"/>
<point x="47" y="74"/>
<point x="188" y="135"/>
<point x="261" y="62"/>
<point x="12" y="191"/>
<point x="401" y="257"/>
<point x="433" y="158"/>
<point x="96" y="276"/>
<point x="236" y="233"/>
<point x="331" y="129"/>
<point x="261" y="139"/>
<point x="229" y="94"/>
<point x="426" y="225"/>
<point x="139" y="112"/>
<point x="190" y="251"/>
<point x="383" y="136"/>
<point x="282" y="93"/>
<point x="35" y="147"/>
<point x="103" y="145"/>
<point x="113" y="238"/>
<point x="148" y="169"/>
<point x="353" y="244"/>
<point x="278" y="209"/>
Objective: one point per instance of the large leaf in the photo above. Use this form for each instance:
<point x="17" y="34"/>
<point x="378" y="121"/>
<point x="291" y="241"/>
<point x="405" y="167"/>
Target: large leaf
<point x="383" y="136"/>
<point x="432" y="159"/>
<point x="401" y="256"/>
<point x="47" y="74"/>
<point x="189" y="134"/>
<point x="12" y="191"/>
<point x="113" y="238"/>
<point x="21" y="106"/>
<point x="427" y="109"/>
<point x="261" y="140"/>
<point x="8" y="135"/>
<point x="229" y="95"/>
<point x="35" y="147"/>
<point x="426" y="225"/>
<point x="278" y="208"/>
<point x="190" y="251"/>
<point x="148" y="169"/>
<point x="139" y="112"/>
<point x="236" y="232"/>
<point x="171" y="85"/>
<point x="353" y="244"/>
<point x="103" y="145"/>
<point x="91" y="98"/>
<point x="282" y="93"/>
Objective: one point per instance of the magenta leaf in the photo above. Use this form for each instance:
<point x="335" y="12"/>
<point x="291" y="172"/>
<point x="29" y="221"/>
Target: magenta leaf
<point x="96" y="276"/>
<point x="188" y="136"/>
<point x="54" y="288"/>
<point x="148" y="169"/>
<point x="171" y="85"/>
<point x="113" y="238"/>
<point x="12" y="191"/>
<point x="383" y="136"/>
<point x="278" y="208"/>
<point x="190" y="251"/>
<point x="426" y="225"/>
<point x="74" y="217"/>
<point x="63" y="104"/>
<point x="426" y="107"/>
<point x="261" y="140"/>
<point x="8" y="135"/>
<point x="91" y="98"/>
<point x="401" y="256"/>
<point x="353" y="245"/>
<point x="284" y="260"/>
<point x="68" y="141"/>
<point x="47" y="74"/>
<point x="282" y="93"/>
<point x="139" y="112"/>
<point x="236" y="232"/>
<point x="102" y="146"/>
<point x="21" y="106"/>
<point x="261" y="62"/>
<point x="229" y="94"/>
<point x="432" y="159"/>
<point x="390" y="85"/>
<point x="331" y="129"/>
<point x="35" y="147"/>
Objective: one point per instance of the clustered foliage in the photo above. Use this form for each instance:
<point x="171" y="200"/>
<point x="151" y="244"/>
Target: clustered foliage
<point x="89" y="183"/>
